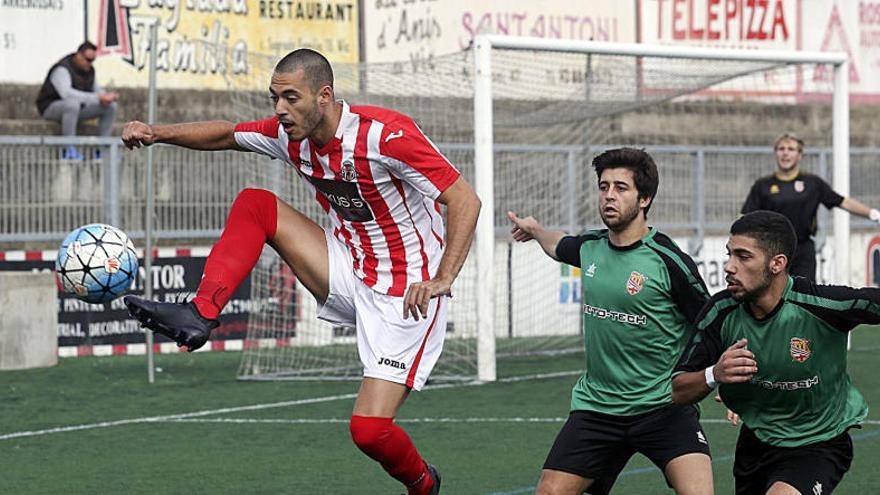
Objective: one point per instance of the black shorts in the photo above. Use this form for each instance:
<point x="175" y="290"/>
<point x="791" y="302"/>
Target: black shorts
<point x="814" y="468"/>
<point x="598" y="446"/>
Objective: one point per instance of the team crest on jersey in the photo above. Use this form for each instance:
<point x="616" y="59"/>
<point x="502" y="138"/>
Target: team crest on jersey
<point x="774" y="189"/>
<point x="635" y="283"/>
<point x="304" y="163"/>
<point x="799" y="186"/>
<point x="347" y="172"/>
<point x="800" y="349"/>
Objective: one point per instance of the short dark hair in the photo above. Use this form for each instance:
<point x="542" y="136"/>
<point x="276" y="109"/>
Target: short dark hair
<point x="639" y="162"/>
<point x="773" y="231"/>
<point x="316" y="66"/>
<point x="86" y="45"/>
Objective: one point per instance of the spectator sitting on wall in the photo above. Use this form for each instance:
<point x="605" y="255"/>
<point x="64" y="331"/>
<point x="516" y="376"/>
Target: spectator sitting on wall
<point x="71" y="93"/>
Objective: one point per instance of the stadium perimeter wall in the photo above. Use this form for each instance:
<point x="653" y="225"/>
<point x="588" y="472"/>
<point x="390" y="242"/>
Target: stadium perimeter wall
<point x="744" y="123"/>
<point x="28" y="320"/>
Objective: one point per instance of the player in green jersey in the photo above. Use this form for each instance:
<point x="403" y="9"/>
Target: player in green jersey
<point x="776" y="344"/>
<point x="641" y="296"/>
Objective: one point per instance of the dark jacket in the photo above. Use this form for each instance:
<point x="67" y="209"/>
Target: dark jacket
<point x="80" y="79"/>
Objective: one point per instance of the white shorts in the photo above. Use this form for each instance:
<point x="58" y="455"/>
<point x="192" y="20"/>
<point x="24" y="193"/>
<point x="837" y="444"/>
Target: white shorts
<point x="391" y="348"/>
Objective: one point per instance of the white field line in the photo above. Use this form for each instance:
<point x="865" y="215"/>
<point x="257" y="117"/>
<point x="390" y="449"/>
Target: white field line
<point x="171" y="417"/>
<point x="871" y="422"/>
<point x="254" y="407"/>
<point x="304" y="421"/>
<point x="309" y="421"/>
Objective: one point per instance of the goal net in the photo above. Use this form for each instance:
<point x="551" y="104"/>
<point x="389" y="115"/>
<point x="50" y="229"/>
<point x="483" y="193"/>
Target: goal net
<point x="542" y="112"/>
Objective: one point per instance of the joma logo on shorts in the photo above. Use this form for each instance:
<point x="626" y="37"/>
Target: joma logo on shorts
<point x="392" y="363"/>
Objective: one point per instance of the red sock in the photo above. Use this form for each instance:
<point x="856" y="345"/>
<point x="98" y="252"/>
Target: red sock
<point x="251" y="223"/>
<point x="388" y="444"/>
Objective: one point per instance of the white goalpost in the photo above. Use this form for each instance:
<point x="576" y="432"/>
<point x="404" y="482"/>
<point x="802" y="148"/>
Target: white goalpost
<point x="522" y="119"/>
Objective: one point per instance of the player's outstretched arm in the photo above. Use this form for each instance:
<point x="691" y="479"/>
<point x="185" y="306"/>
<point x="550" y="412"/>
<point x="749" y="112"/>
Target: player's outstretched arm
<point x="736" y="365"/>
<point x="690" y="387"/>
<point x="462" y="210"/>
<point x="207" y="136"/>
<point x="858" y="208"/>
<point x="526" y="229"/>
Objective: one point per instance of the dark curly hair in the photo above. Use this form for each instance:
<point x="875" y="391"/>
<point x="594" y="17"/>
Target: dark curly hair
<point x="639" y="162"/>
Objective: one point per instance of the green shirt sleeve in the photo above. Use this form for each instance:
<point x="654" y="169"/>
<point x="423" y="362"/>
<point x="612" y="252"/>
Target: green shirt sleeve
<point x="841" y="307"/>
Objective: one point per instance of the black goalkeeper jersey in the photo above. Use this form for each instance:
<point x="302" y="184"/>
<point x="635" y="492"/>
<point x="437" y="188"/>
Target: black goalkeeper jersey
<point x="801" y="393"/>
<point x="798" y="199"/>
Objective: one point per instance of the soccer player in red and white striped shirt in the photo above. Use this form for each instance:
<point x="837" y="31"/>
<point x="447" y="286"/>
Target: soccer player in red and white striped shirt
<point x="385" y="264"/>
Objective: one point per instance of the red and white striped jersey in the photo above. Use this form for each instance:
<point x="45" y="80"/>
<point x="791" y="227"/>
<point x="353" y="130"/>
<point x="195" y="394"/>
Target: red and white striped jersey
<point x="378" y="180"/>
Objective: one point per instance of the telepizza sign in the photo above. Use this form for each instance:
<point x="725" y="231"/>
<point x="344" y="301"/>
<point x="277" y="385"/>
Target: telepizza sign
<point x="872" y="263"/>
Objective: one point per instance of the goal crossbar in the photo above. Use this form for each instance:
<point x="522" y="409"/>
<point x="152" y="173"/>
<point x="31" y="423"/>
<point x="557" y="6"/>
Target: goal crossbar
<point x="661" y="51"/>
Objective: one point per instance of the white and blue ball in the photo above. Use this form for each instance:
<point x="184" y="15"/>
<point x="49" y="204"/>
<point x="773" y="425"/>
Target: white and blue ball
<point x="96" y="263"/>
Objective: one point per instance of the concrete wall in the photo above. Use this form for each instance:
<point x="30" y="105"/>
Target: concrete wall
<point x="28" y="320"/>
<point x="18" y="113"/>
<point x="716" y="123"/>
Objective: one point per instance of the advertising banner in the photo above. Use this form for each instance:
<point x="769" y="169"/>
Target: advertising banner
<point x="201" y="44"/>
<point x="415" y="31"/>
<point x="753" y="24"/>
<point x="34" y="34"/>
<point x="852" y="27"/>
<point x="175" y="275"/>
<point x="419" y="36"/>
<point x="872" y="262"/>
<point x="728" y="24"/>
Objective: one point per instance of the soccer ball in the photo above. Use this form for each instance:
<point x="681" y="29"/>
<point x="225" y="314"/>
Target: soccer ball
<point x="96" y="263"/>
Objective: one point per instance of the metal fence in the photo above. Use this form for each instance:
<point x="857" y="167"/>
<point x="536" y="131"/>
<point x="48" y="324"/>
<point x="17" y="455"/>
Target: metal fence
<point x="43" y="195"/>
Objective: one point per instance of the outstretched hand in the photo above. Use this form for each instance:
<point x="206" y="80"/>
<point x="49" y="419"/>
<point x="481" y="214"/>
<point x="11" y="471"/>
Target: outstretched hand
<point x="419" y="294"/>
<point x="523" y="228"/>
<point x="137" y="134"/>
<point x="736" y="365"/>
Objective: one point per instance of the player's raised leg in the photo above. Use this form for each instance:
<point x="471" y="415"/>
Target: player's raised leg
<point x="302" y="244"/>
<point x="257" y="217"/>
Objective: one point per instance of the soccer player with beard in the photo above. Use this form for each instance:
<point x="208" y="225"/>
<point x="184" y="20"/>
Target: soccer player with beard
<point x="641" y="297"/>
<point x="384" y="265"/>
<point x="797" y="195"/>
<point x="776" y="347"/>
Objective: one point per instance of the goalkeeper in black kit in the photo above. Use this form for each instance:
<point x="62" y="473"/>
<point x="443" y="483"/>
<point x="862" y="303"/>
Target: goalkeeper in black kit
<point x="797" y="195"/>
<point x="776" y="347"/>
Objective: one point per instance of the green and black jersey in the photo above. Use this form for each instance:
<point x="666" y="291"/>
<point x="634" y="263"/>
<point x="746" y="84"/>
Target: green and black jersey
<point x="801" y="393"/>
<point x="640" y="303"/>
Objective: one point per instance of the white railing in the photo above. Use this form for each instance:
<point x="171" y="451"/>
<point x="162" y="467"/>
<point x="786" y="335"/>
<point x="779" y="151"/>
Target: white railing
<point x="43" y="196"/>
